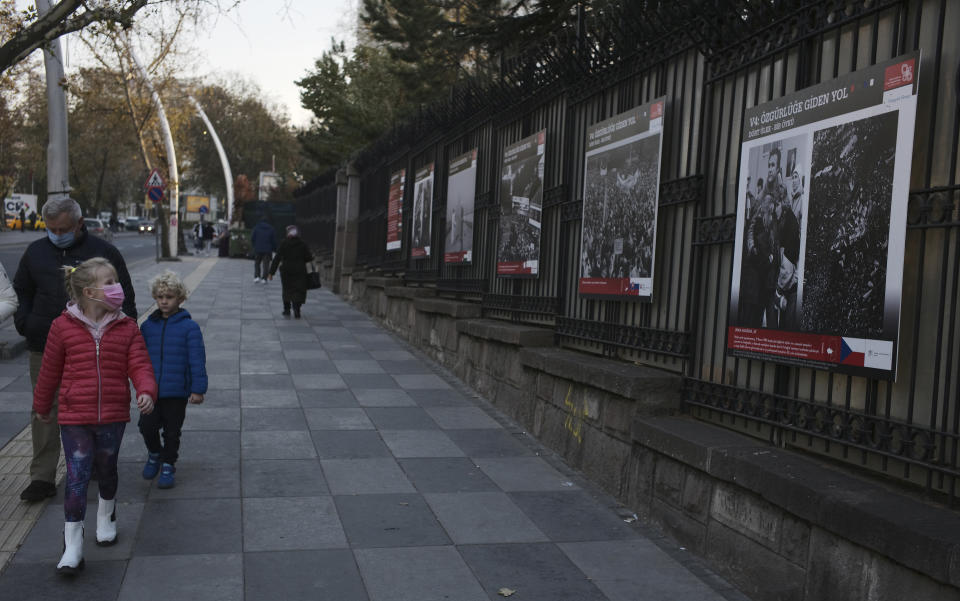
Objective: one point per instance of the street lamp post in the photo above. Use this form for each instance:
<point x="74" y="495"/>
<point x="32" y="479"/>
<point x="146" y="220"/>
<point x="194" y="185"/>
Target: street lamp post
<point x="173" y="183"/>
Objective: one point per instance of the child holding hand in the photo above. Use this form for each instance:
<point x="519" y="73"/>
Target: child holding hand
<point x="93" y="350"/>
<point x="179" y="360"/>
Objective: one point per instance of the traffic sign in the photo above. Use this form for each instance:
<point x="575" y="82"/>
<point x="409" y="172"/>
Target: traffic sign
<point x="155" y="180"/>
<point x="203" y="210"/>
<point x="155" y="194"/>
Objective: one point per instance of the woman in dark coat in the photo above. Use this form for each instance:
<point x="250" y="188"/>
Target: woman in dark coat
<point x="292" y="257"/>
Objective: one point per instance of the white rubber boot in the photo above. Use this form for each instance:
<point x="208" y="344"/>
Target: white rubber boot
<point x="72" y="560"/>
<point x="106" y="522"/>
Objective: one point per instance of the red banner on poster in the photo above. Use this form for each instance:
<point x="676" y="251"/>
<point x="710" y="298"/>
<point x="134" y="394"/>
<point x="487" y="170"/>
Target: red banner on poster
<point x="395" y="210"/>
<point x="460" y="256"/>
<point x="614" y="286"/>
<point x="815" y="348"/>
<point x="516" y="267"/>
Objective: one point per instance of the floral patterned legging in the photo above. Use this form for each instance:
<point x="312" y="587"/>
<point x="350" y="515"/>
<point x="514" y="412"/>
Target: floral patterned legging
<point x="84" y="446"/>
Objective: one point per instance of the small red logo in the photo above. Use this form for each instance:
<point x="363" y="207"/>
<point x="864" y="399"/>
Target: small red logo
<point x="898" y="75"/>
<point x="656" y="111"/>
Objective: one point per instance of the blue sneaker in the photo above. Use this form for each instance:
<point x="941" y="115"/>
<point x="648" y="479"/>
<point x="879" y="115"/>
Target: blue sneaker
<point x="166" y="476"/>
<point x="152" y="466"/>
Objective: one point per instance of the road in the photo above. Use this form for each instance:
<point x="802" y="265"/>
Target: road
<point x="134" y="247"/>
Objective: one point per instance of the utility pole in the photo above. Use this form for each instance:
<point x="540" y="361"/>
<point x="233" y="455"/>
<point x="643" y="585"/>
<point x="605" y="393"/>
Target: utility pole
<point x="227" y="174"/>
<point x="173" y="183"/>
<point x="58" y="159"/>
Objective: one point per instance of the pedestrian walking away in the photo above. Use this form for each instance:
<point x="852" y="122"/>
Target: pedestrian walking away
<point x="176" y="349"/>
<point x="38" y="283"/>
<point x="264" y="242"/>
<point x="206" y="234"/>
<point x="292" y="258"/>
<point x="93" y="351"/>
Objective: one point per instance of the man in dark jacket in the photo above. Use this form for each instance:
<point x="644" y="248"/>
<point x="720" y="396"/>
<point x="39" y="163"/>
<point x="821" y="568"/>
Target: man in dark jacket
<point x="43" y="297"/>
<point x="264" y="242"/>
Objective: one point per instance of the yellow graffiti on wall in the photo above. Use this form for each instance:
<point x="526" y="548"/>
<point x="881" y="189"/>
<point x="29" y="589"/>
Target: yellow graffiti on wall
<point x="575" y="416"/>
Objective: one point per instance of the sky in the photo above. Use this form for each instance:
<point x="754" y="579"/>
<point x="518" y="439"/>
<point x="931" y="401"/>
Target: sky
<point x="274" y="43"/>
<point x="269" y="42"/>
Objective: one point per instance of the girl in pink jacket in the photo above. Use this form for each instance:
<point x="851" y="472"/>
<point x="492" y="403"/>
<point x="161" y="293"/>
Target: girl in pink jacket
<point x="91" y="352"/>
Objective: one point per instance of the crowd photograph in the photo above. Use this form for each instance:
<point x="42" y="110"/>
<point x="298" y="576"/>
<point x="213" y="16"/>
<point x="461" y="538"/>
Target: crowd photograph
<point x="848" y="236"/>
<point x="620" y="211"/>
<point x="521" y="203"/>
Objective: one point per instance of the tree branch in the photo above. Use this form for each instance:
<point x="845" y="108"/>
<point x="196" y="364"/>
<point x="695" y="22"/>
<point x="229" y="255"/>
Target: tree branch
<point x="62" y="19"/>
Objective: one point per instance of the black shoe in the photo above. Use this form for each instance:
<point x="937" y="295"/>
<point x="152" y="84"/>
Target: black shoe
<point x="38" y="490"/>
<point x="286" y="314"/>
<point x="296" y="314"/>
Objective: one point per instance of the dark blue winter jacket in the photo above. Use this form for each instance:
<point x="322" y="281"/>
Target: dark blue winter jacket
<point x="176" y="351"/>
<point x="263" y="238"/>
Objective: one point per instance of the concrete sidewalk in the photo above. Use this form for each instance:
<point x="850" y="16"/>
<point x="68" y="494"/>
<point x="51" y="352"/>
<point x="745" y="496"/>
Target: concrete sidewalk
<point x="331" y="461"/>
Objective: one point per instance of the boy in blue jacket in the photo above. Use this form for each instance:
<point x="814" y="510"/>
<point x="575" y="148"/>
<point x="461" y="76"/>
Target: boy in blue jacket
<point x="175" y="344"/>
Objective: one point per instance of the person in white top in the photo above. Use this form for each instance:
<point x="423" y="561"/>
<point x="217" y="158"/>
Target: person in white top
<point x="8" y="297"/>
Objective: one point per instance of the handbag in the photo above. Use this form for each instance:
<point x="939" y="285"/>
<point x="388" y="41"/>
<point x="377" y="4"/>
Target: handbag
<point x="313" y="276"/>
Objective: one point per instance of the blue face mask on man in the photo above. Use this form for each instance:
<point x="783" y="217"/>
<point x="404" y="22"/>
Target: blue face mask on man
<point x="61" y="240"/>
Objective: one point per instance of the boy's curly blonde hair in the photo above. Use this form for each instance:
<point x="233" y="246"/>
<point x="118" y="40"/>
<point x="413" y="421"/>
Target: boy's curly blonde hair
<point x="168" y="283"/>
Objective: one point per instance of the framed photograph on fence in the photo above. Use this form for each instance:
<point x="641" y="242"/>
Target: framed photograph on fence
<point x="521" y="206"/>
<point x="821" y="223"/>
<point x="421" y="219"/>
<point x="621" y="188"/>
<point x="461" y="193"/>
<point x="395" y="210"/>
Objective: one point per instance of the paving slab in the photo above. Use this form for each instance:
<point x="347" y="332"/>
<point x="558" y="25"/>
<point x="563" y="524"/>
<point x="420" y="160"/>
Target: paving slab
<point x="420" y="443"/>
<point x="418" y="574"/>
<point x="349" y="444"/>
<point x="389" y="520"/>
<point x="483" y="517"/>
<point x="309" y="574"/>
<point x="291" y="523"/>
<point x="213" y="577"/>
<point x="539" y="572"/>
<point x="282" y="478"/>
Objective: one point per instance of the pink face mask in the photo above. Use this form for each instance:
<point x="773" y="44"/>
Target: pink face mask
<point x="112" y="296"/>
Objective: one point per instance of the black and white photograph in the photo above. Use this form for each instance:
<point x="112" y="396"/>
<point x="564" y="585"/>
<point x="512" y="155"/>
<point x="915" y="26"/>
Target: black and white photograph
<point x="847" y="238"/>
<point x="771" y="270"/>
<point x="821" y="224"/>
<point x="461" y="191"/>
<point x="422" y="209"/>
<point x="620" y="195"/>
<point x="521" y="206"/>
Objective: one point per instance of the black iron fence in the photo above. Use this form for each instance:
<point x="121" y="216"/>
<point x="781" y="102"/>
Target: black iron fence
<point x="316" y="215"/>
<point x="712" y="60"/>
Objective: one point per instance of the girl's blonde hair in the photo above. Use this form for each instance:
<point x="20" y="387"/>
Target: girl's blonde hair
<point x="168" y="282"/>
<point x="85" y="275"/>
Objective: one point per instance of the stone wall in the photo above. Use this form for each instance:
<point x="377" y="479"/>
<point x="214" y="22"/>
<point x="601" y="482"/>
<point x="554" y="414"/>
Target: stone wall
<point x="778" y="524"/>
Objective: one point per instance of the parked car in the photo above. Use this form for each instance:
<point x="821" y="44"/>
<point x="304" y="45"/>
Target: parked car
<point x="131" y="224"/>
<point x="146" y="226"/>
<point x="98" y="228"/>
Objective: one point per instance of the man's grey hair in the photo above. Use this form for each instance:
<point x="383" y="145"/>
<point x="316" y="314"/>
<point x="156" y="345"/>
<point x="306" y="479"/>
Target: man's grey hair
<point x="56" y="207"/>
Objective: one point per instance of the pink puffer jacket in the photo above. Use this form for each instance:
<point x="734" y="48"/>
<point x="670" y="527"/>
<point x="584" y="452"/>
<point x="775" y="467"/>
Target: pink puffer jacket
<point x="93" y="378"/>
